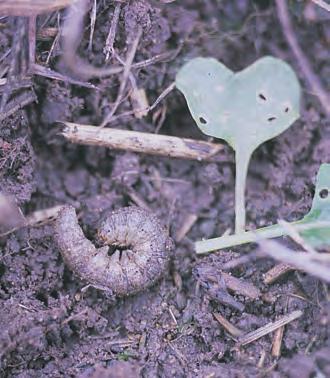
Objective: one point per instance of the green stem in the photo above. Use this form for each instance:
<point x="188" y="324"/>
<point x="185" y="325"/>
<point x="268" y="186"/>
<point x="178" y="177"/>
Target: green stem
<point x="242" y="159"/>
<point x="270" y="232"/>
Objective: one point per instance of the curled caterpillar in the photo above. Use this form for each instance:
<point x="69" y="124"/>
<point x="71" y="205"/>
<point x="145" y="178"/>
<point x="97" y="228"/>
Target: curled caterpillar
<point x="135" y="255"/>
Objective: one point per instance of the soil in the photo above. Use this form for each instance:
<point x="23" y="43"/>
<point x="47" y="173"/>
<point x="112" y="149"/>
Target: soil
<point x="51" y="325"/>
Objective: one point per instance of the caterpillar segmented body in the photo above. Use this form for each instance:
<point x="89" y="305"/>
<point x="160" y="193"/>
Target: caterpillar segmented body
<point x="135" y="255"/>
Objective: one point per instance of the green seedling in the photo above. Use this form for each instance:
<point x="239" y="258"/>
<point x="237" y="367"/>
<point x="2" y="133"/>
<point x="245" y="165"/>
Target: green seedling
<point x="314" y="228"/>
<point x="245" y="108"/>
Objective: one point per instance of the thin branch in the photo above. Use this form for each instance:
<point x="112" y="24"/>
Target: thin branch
<point x="108" y="48"/>
<point x="322" y="4"/>
<point x="93" y="20"/>
<point x="317" y="264"/>
<point x="40" y="70"/>
<point x="311" y="77"/>
<point x="268" y="328"/>
<point x="125" y="76"/>
<point x="147" y="143"/>
<point x="149" y="108"/>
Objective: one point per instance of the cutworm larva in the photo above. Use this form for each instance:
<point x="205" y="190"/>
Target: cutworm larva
<point x="135" y="252"/>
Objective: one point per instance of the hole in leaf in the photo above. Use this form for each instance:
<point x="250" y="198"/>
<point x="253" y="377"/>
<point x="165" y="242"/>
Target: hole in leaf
<point x="270" y="119"/>
<point x="202" y="120"/>
<point x="262" y="97"/>
<point x="324" y="193"/>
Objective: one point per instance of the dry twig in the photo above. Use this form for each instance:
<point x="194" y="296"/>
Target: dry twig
<point x="147" y="143"/>
<point x="268" y="328"/>
<point x="322" y="4"/>
<point x="125" y="76"/>
<point x="277" y="342"/>
<point x="108" y="48"/>
<point x="311" y="77"/>
<point x="316" y="264"/>
<point x="93" y="20"/>
<point x="188" y="222"/>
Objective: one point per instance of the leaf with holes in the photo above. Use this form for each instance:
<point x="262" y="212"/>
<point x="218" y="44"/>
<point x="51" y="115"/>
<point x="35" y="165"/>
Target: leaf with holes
<point x="245" y="108"/>
<point x="314" y="227"/>
<point x="320" y="211"/>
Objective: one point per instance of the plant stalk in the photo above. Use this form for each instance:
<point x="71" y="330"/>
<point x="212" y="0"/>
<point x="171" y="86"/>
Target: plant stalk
<point x="242" y="159"/>
<point x="270" y="232"/>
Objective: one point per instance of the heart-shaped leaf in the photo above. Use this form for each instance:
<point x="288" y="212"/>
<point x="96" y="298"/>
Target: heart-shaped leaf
<point x="245" y="108"/>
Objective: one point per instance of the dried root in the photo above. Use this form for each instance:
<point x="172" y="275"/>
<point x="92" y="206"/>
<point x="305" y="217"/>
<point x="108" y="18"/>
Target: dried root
<point x="134" y="257"/>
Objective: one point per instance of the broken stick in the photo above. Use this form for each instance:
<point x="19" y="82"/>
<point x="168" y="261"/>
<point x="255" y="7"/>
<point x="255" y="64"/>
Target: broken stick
<point x="268" y="328"/>
<point x="147" y="143"/>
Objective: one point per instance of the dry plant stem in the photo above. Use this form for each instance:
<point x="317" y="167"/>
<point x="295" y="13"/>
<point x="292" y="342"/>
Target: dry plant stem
<point x="206" y="246"/>
<point x="93" y="20"/>
<point x="37" y="69"/>
<point x="108" y="49"/>
<point x="317" y="265"/>
<point x="125" y="76"/>
<point x="32" y="7"/>
<point x="322" y="4"/>
<point x="37" y="218"/>
<point x="149" y="108"/>
<point x="295" y="236"/>
<point x="230" y="328"/>
<point x="276" y="272"/>
<point x="147" y="143"/>
<point x="32" y="38"/>
<point x="43" y="216"/>
<point x="242" y="163"/>
<point x="242" y="260"/>
<point x="277" y="342"/>
<point x="189" y="221"/>
<point x="268" y="328"/>
<point x="311" y="77"/>
<point x="17" y="103"/>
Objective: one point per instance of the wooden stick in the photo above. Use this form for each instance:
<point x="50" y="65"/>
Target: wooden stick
<point x="268" y="328"/>
<point x="147" y="143"/>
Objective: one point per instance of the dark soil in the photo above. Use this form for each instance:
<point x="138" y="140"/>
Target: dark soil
<point x="49" y="326"/>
